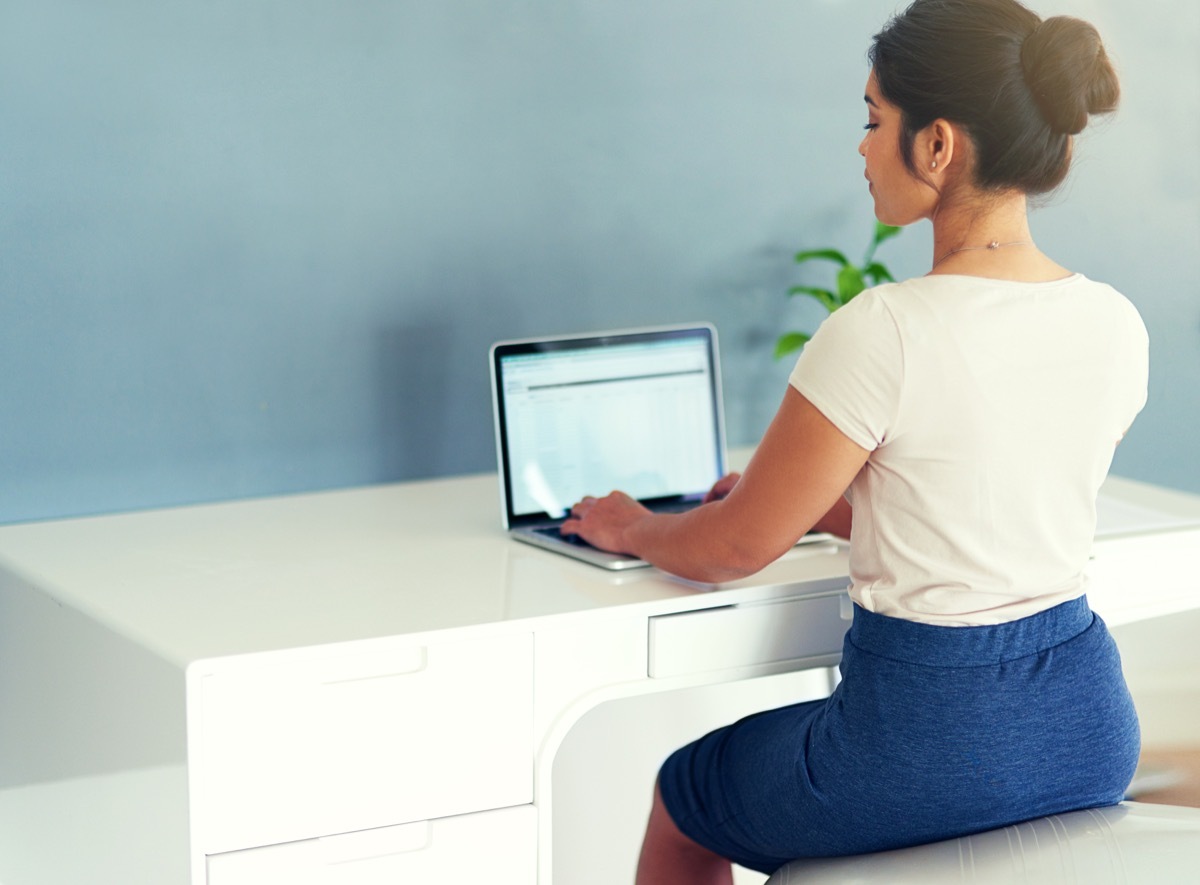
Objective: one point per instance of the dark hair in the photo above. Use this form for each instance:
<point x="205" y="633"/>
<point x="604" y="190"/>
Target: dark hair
<point x="1020" y="86"/>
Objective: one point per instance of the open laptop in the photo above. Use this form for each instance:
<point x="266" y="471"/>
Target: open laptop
<point x="636" y="410"/>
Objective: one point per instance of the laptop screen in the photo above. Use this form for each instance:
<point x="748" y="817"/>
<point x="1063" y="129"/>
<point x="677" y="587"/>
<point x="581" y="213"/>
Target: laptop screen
<point x="637" y="411"/>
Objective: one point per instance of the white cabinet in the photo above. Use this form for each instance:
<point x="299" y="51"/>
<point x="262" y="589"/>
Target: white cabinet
<point x="760" y="637"/>
<point x="300" y="745"/>
<point x="496" y="847"/>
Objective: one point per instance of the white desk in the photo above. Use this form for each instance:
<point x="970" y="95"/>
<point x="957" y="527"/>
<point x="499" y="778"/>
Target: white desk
<point x="371" y="685"/>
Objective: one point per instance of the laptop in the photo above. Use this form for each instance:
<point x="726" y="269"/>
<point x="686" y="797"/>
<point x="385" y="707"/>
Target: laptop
<point x="637" y="410"/>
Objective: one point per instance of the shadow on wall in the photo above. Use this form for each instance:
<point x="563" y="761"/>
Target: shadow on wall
<point x="413" y="394"/>
<point x="433" y="401"/>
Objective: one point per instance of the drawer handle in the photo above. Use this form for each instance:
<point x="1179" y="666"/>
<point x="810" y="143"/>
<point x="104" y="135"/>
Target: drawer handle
<point x="374" y="844"/>
<point x="416" y="660"/>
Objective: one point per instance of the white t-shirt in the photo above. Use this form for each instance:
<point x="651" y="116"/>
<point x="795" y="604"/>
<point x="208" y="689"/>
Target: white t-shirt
<point x="992" y="410"/>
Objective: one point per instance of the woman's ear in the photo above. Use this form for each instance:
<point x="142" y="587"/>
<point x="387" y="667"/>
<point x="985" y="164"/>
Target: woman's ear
<point x="936" y="145"/>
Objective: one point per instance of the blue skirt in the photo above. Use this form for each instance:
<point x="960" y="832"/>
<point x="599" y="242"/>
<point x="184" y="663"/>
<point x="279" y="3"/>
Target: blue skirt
<point x="933" y="732"/>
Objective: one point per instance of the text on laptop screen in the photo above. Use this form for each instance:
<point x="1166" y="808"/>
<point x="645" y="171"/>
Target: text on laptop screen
<point x="638" y="417"/>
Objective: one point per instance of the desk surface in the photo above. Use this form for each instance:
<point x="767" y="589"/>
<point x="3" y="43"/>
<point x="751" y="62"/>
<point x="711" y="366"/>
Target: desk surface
<point x="261" y="575"/>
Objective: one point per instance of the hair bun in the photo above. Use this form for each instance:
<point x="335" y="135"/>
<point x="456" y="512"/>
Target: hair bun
<point x="1069" y="74"/>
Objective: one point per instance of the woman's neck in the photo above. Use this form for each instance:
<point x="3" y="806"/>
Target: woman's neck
<point x="977" y="221"/>
<point x="988" y="235"/>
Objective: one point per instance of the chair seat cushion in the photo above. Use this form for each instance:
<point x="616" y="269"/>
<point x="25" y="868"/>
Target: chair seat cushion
<point x="1133" y="842"/>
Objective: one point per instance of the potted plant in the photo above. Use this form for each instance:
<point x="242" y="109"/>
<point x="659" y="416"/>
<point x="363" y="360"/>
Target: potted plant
<point x="851" y="279"/>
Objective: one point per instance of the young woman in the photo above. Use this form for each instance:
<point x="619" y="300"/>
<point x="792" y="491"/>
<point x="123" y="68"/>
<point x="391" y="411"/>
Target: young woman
<point x="957" y="427"/>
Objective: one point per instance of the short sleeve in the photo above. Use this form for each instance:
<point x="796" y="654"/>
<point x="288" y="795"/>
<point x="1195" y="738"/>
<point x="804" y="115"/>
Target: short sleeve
<point x="853" y="370"/>
<point x="1136" y="376"/>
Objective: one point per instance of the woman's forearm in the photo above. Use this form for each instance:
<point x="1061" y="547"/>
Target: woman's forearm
<point x="701" y="545"/>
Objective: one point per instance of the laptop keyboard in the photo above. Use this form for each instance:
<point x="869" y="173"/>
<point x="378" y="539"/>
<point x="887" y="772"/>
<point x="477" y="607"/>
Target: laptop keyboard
<point x="553" y="532"/>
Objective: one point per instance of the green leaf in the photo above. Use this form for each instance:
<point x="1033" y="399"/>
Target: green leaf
<point x="828" y="300"/>
<point x="826" y="254"/>
<point x="850" y="283"/>
<point x="851" y="280"/>
<point x="790" y="343"/>
<point x="877" y="273"/>
<point x="884" y="232"/>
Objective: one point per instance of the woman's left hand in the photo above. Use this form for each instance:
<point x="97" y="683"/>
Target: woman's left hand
<point x="602" y="522"/>
<point x="722" y="487"/>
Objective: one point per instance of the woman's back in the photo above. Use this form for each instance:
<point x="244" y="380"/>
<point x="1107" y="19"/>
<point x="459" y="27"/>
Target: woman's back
<point x="980" y="400"/>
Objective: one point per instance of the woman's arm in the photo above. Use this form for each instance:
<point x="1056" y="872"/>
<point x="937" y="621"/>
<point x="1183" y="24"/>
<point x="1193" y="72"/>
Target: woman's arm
<point x="795" y="479"/>
<point x="838" y="520"/>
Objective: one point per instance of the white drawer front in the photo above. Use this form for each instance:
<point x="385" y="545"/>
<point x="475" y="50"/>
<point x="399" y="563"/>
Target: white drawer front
<point x="332" y="744"/>
<point x="496" y="847"/>
<point x="759" y="635"/>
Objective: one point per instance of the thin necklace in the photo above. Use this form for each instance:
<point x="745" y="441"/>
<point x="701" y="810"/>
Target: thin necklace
<point x="992" y="246"/>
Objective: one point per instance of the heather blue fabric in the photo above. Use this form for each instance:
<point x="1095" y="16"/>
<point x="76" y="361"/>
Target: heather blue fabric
<point x="934" y="732"/>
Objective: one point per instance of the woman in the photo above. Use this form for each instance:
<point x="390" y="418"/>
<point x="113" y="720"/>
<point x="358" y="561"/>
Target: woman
<point x="957" y="427"/>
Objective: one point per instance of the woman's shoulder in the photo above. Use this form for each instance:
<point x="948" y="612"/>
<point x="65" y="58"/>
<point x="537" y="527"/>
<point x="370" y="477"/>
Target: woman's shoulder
<point x="879" y="310"/>
<point x="1106" y="291"/>
<point x="890" y="299"/>
<point x="899" y="292"/>
<point x="1119" y="308"/>
<point x="949" y="301"/>
<point x="918" y="288"/>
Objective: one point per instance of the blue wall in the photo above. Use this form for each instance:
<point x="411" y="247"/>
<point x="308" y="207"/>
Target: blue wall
<point x="261" y="246"/>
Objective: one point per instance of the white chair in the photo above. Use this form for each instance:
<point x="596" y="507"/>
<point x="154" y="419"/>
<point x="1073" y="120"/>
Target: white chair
<point x="1134" y="843"/>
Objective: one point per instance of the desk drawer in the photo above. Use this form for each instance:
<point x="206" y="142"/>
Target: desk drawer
<point x="319" y="744"/>
<point x="762" y="635"/>
<point x="497" y="847"/>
